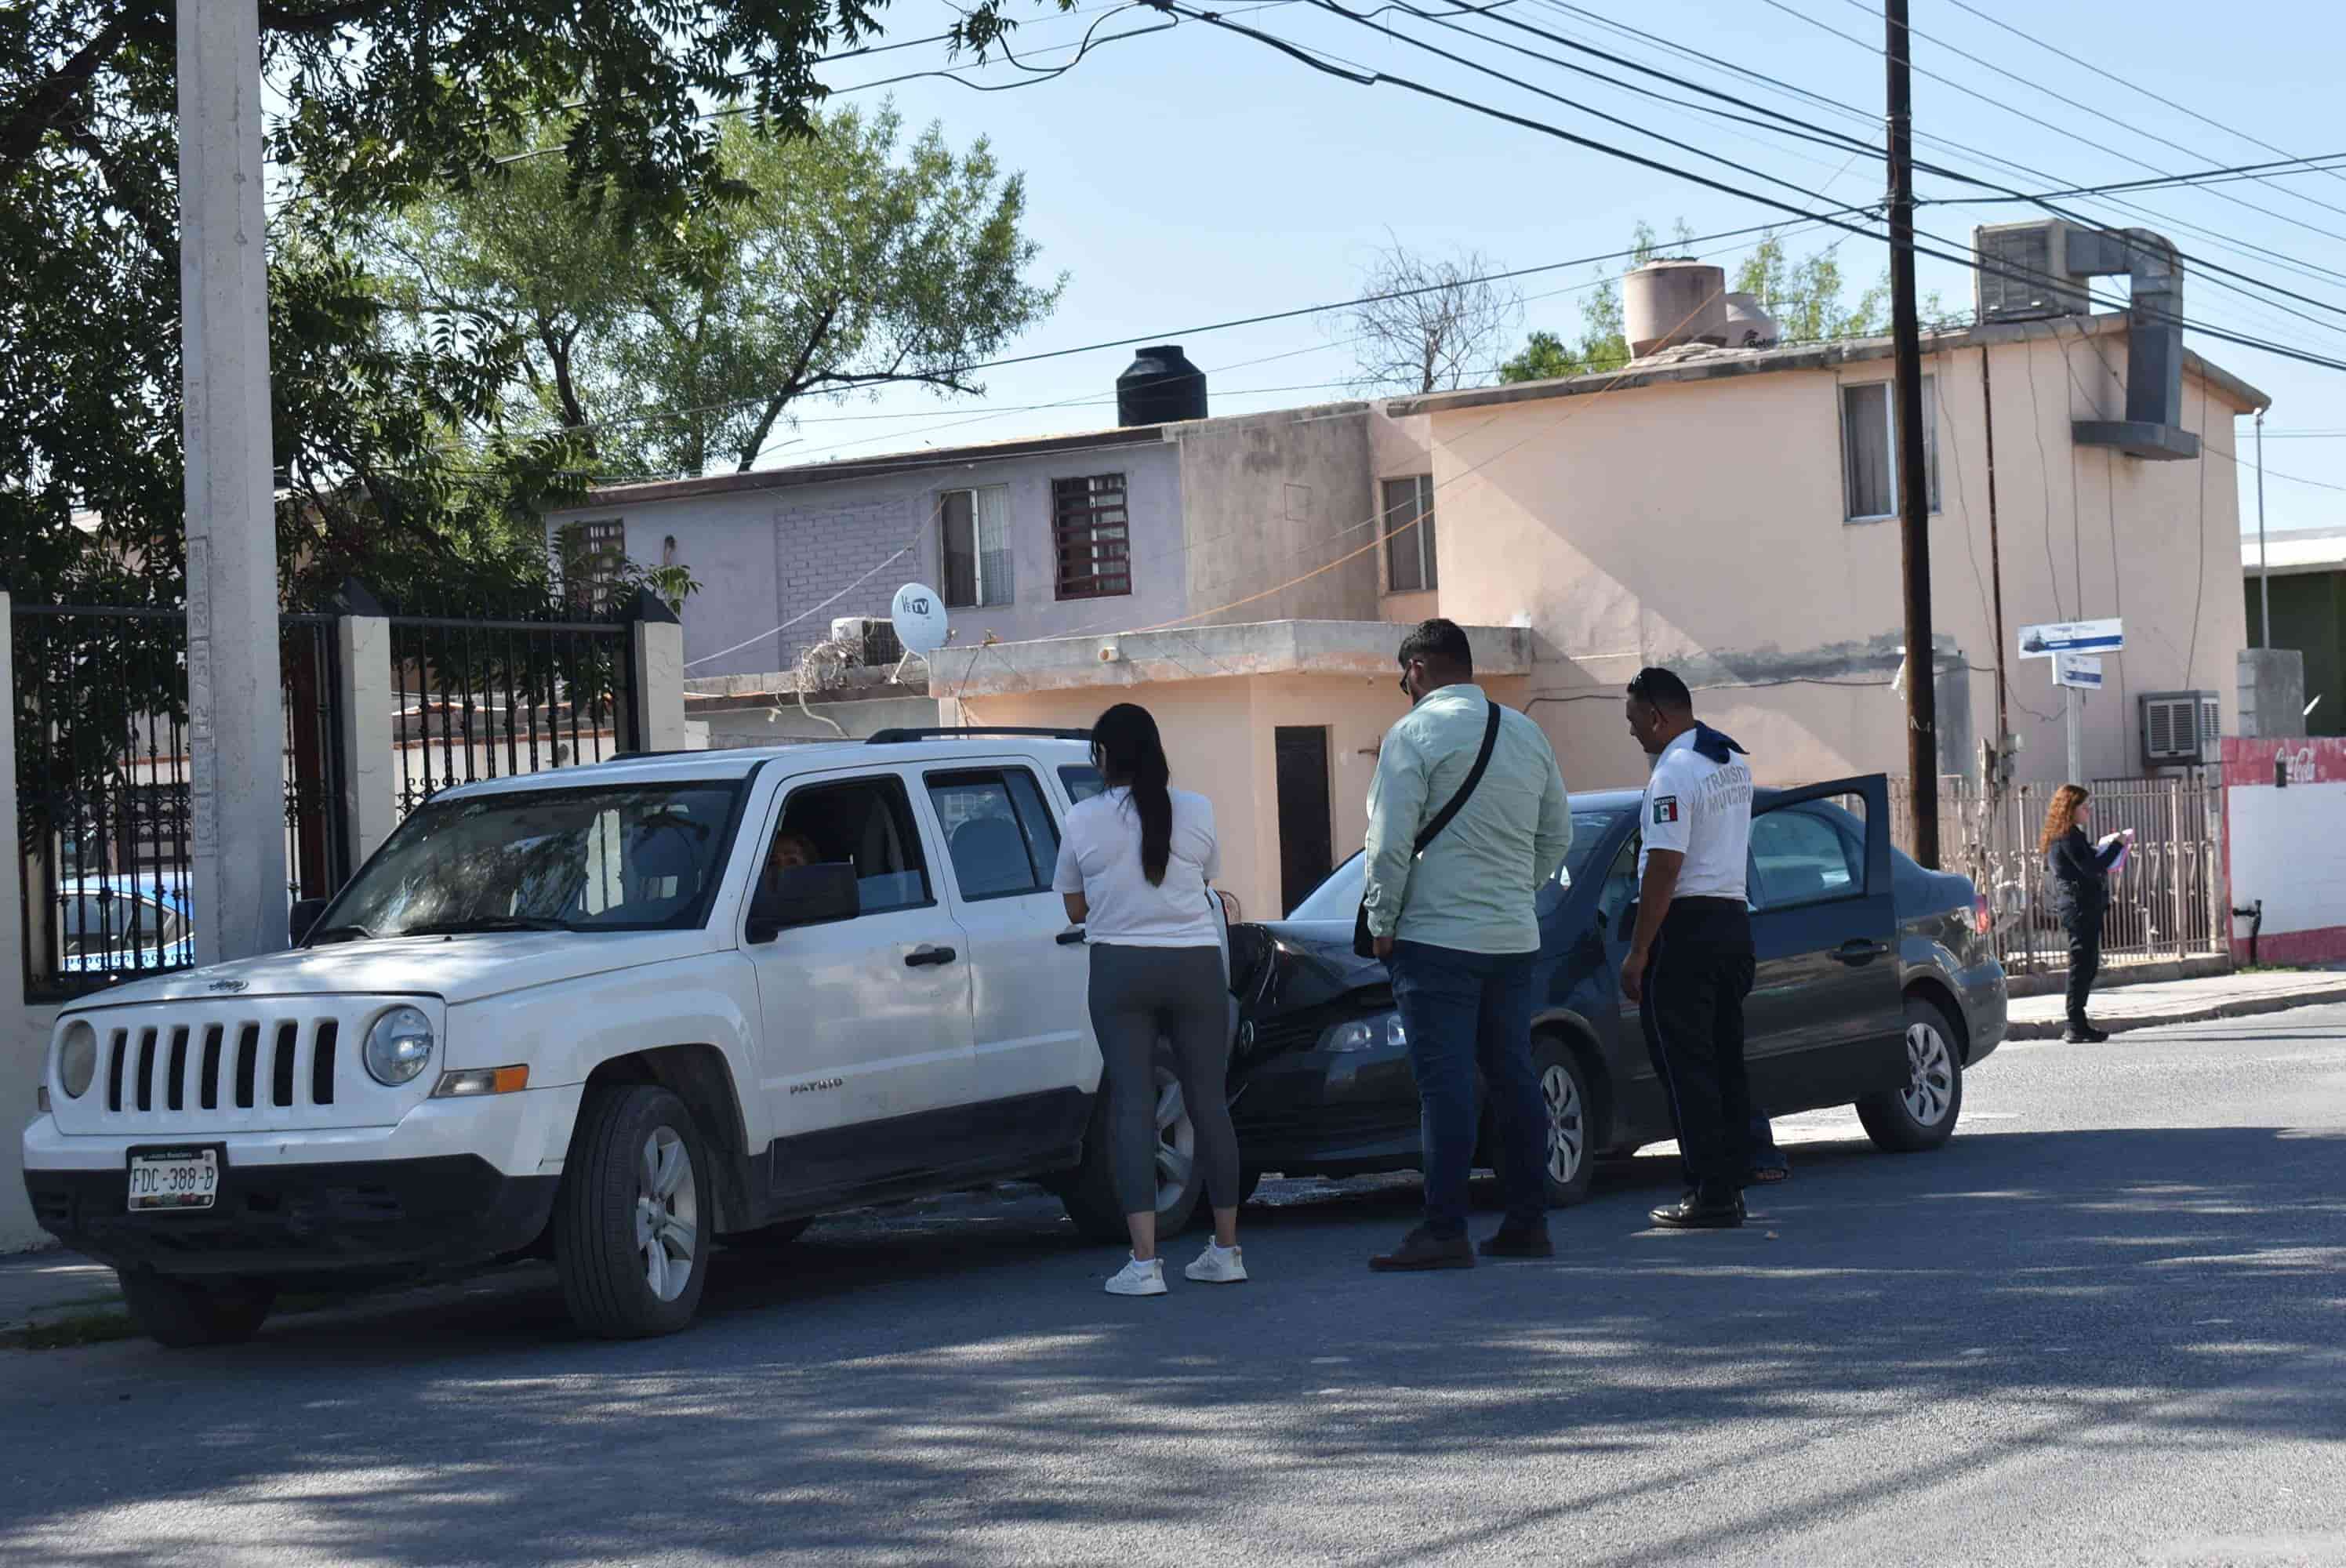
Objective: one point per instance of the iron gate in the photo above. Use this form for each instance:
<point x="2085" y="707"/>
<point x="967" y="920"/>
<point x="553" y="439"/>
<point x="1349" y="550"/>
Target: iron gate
<point x="104" y="822"/>
<point x="2171" y="901"/>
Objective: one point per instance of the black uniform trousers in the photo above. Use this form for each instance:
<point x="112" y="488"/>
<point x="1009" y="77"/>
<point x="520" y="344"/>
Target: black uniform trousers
<point x="1696" y="978"/>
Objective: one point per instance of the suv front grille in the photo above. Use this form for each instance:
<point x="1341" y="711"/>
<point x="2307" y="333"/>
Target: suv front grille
<point x="197" y="1067"/>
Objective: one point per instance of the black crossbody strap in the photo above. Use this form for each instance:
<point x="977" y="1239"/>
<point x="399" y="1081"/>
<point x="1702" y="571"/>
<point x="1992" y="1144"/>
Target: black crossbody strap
<point x="1432" y="830"/>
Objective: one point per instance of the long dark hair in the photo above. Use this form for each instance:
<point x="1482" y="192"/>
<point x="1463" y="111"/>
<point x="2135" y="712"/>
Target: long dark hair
<point x="1129" y="753"/>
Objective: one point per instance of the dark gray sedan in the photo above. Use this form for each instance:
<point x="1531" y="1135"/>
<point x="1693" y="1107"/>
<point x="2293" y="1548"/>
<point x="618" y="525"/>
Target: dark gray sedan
<point x="1878" y="986"/>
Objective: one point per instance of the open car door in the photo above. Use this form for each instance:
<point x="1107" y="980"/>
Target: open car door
<point x="1826" y="1022"/>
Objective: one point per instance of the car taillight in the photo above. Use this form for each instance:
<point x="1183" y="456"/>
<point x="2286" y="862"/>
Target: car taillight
<point x="1982" y="920"/>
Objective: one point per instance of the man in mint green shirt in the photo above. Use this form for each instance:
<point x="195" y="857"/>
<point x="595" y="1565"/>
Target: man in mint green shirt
<point x="1457" y="927"/>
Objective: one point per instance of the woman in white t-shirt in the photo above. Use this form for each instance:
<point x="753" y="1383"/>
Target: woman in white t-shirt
<point x="1134" y="865"/>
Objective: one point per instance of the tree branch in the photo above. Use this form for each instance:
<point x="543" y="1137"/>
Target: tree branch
<point x="21" y="131"/>
<point x="792" y="386"/>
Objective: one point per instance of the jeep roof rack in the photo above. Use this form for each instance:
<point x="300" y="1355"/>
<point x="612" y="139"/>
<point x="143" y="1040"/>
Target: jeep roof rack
<point x="942" y="731"/>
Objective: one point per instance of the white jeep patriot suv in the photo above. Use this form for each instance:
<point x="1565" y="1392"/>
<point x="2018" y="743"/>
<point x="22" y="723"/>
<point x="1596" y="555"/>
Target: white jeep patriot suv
<point x="610" y="1014"/>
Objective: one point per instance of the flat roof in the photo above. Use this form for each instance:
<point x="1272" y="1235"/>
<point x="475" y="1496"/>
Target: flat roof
<point x="1112" y="437"/>
<point x="1719" y="364"/>
<point x="2298" y="552"/>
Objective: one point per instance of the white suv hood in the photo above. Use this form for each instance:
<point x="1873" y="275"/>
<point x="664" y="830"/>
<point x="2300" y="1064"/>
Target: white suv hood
<point x="457" y="969"/>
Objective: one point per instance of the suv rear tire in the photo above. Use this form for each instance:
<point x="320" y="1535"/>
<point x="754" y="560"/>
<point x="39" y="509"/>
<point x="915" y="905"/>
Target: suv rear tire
<point x="634" y="1217"/>
<point x="1089" y="1192"/>
<point x="1923" y="1115"/>
<point x="184" y="1313"/>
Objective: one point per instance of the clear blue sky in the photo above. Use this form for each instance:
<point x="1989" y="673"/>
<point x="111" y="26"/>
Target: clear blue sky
<point x="1193" y="176"/>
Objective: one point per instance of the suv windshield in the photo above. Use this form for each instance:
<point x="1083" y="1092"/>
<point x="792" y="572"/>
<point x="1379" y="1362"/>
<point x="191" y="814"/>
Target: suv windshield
<point x="1338" y="897"/>
<point x="618" y="859"/>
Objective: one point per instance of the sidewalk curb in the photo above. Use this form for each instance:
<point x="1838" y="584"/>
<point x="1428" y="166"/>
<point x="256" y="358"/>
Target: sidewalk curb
<point x="2207" y="1012"/>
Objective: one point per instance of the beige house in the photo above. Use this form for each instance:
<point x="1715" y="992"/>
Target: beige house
<point x="1732" y="514"/>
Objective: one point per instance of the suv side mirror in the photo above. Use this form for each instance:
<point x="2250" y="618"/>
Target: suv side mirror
<point x="804" y="895"/>
<point x="304" y="916"/>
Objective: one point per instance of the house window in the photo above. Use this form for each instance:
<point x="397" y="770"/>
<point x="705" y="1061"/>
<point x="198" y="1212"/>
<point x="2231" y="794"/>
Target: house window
<point x="1869" y="441"/>
<point x="1409" y="534"/>
<point x="1093" y="536"/>
<point x="976" y="547"/>
<point x="596" y="552"/>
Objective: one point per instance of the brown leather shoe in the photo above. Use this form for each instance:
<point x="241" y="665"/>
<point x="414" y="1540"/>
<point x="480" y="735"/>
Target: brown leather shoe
<point x="1421" y="1249"/>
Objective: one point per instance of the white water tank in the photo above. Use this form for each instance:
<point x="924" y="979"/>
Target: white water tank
<point x="1665" y="304"/>
<point x="1749" y="324"/>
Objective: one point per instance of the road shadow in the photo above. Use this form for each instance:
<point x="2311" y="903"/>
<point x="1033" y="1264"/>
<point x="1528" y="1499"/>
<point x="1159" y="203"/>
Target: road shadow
<point x="908" y="1389"/>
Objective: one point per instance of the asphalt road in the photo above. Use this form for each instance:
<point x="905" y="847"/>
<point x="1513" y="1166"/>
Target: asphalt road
<point x="2107" y="1324"/>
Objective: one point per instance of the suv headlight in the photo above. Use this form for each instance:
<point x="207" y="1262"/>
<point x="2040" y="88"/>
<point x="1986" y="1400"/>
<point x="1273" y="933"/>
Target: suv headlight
<point x="77" y="1058"/>
<point x="398" y="1046"/>
<point x="1383" y="1029"/>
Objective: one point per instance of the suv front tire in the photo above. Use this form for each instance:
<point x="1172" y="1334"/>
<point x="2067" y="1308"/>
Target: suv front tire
<point x="634" y="1223"/>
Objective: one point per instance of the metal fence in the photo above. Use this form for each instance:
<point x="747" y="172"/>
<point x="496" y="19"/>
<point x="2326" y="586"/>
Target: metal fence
<point x="491" y="698"/>
<point x="2171" y="901"/>
<point x="104" y="822"/>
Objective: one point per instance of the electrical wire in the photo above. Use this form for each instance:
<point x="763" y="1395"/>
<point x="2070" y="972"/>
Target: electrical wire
<point x="2113" y="76"/>
<point x="2218" y="272"/>
<point x="2130" y="129"/>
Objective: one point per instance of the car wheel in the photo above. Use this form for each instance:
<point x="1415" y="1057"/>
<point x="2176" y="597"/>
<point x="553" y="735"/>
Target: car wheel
<point x="1923" y="1115"/>
<point x="183" y="1313"/>
<point x="631" y="1223"/>
<point x="1090" y="1197"/>
<point x="1570" y="1124"/>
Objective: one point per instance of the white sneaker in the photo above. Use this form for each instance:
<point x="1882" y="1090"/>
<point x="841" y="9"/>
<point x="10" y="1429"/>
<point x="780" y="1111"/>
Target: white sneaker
<point x="1218" y="1265"/>
<point x="1138" y="1279"/>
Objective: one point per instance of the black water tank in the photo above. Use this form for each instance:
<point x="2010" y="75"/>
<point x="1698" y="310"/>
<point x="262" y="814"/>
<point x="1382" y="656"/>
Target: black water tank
<point x="1160" y="387"/>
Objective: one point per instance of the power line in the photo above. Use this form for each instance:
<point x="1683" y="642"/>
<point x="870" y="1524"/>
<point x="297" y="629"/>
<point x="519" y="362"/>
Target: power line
<point x="2111" y="75"/>
<point x="1374" y="78"/>
<point x="1793" y="90"/>
<point x="2036" y="119"/>
<point x="2130" y="129"/>
<point x="1802" y="128"/>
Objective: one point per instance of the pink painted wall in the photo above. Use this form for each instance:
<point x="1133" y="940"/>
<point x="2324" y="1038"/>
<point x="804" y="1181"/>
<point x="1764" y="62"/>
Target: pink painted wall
<point x="2288" y="846"/>
<point x="1703" y="524"/>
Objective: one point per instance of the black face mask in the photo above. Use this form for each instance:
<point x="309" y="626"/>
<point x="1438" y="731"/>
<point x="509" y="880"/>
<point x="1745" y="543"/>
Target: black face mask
<point x="1713" y="746"/>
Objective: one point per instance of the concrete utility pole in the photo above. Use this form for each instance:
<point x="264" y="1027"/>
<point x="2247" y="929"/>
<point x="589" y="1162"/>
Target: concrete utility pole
<point x="2264" y="566"/>
<point x="236" y="706"/>
<point x="1914" y="481"/>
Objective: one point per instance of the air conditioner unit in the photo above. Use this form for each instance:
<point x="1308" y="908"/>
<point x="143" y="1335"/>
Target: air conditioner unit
<point x="873" y="638"/>
<point x="2024" y="273"/>
<point x="2180" y="728"/>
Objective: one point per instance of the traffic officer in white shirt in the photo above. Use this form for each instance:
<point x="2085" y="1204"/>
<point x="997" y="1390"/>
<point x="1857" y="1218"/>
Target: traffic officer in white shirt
<point x="1690" y="961"/>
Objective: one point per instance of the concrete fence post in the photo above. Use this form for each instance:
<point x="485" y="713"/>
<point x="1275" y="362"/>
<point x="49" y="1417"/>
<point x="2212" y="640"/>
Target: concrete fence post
<point x="24" y="1032"/>
<point x="370" y="733"/>
<point x="655" y="663"/>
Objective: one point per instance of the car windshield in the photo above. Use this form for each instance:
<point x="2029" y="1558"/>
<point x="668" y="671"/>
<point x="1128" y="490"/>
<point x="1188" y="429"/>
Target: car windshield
<point x="1338" y="897"/>
<point x="618" y="859"/>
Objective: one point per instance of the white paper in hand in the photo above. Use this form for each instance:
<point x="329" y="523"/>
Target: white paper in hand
<point x="2125" y="851"/>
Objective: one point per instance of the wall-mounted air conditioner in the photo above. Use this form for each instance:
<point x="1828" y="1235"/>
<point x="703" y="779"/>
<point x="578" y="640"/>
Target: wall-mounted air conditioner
<point x="873" y="638"/>
<point x="2181" y="729"/>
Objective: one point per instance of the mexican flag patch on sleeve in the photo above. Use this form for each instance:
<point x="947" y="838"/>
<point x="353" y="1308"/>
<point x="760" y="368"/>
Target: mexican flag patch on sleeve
<point x="1666" y="810"/>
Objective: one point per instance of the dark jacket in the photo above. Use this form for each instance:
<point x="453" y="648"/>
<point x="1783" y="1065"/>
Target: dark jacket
<point x="2081" y="874"/>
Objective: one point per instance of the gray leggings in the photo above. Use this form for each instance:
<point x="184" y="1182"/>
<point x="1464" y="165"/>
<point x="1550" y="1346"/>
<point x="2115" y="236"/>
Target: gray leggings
<point x="1142" y="994"/>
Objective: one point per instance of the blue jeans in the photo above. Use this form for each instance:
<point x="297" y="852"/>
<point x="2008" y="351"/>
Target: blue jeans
<point x="1462" y="1010"/>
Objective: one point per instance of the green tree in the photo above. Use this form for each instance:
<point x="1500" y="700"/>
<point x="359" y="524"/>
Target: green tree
<point x="1806" y="296"/>
<point x="388" y="441"/>
<point x="847" y="259"/>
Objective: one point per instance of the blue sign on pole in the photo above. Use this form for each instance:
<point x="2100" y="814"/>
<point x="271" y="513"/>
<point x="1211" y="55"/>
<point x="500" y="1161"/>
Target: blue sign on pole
<point x="2056" y="638"/>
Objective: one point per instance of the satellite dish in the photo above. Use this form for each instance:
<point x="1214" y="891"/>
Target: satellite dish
<point x="919" y="618"/>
